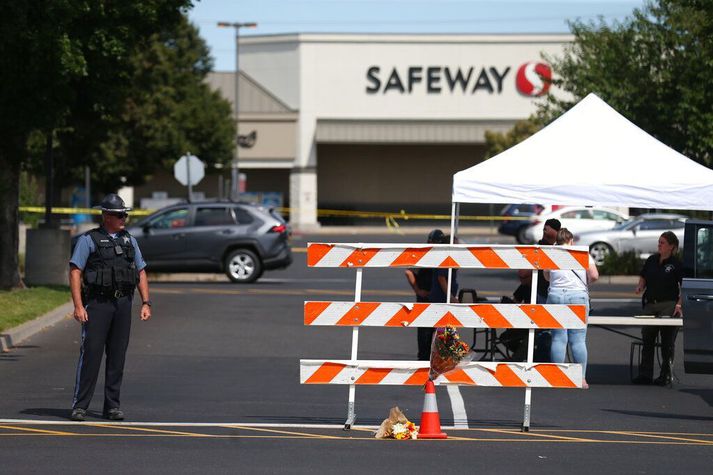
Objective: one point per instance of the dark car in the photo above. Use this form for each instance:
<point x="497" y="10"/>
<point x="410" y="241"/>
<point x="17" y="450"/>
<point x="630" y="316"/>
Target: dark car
<point x="522" y="214"/>
<point x="240" y="239"/>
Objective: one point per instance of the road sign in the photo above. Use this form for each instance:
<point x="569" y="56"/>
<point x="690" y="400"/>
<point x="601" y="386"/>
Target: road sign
<point x="189" y="170"/>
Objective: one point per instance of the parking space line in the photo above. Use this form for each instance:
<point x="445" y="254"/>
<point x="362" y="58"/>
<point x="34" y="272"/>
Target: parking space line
<point x="297" y="431"/>
<point x="155" y="431"/>
<point x="40" y="431"/>
<point x="534" y="434"/>
<point x="660" y="436"/>
<point x="285" y="432"/>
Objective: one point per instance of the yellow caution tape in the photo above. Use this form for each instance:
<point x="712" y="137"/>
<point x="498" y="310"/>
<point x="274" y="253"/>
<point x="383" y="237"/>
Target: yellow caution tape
<point x="390" y="218"/>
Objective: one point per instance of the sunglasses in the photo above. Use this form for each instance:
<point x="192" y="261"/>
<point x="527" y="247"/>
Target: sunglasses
<point x="119" y="215"/>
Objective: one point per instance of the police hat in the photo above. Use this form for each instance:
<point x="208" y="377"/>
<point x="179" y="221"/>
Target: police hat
<point x="112" y="203"/>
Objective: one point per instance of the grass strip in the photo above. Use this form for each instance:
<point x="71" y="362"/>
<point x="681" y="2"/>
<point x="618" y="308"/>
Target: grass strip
<point x="18" y="306"/>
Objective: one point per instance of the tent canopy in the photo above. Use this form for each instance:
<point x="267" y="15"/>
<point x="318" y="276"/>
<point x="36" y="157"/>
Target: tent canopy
<point x="591" y="155"/>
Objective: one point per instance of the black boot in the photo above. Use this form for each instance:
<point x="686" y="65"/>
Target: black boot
<point x="665" y="378"/>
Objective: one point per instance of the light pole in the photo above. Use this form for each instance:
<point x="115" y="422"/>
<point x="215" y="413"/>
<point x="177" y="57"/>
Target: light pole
<point x="234" y="170"/>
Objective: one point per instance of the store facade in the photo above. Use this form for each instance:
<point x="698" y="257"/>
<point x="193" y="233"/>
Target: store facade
<point x="371" y="122"/>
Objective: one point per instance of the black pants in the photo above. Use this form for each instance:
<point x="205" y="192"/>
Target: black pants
<point x="425" y="335"/>
<point x="107" y="330"/>
<point x="668" y="340"/>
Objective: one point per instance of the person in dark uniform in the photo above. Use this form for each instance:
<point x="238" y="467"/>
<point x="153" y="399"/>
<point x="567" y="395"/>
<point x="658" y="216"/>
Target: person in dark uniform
<point x="420" y="281"/>
<point x="105" y="268"/>
<point x="660" y="280"/>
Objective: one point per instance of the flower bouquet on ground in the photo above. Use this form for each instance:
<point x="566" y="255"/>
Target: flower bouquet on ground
<point x="396" y="426"/>
<point x="447" y="350"/>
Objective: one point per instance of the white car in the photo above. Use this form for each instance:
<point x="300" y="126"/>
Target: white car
<point x="640" y="234"/>
<point x="577" y="219"/>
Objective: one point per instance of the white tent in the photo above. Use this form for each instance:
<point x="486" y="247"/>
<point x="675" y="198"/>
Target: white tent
<point x="591" y="155"/>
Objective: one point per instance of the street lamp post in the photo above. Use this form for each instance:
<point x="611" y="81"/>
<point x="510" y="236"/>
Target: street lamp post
<point x="235" y="171"/>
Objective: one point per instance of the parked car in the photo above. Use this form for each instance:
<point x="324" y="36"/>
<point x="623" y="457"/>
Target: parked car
<point x="517" y="227"/>
<point x="577" y="219"/>
<point x="240" y="239"/>
<point x="640" y="234"/>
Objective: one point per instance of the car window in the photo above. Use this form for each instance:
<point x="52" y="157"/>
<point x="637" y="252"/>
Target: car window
<point x="605" y="215"/>
<point x="704" y="253"/>
<point x="655" y="225"/>
<point x="676" y="224"/>
<point x="577" y="214"/>
<point x="176" y="218"/>
<point x="213" y="216"/>
<point x="243" y="216"/>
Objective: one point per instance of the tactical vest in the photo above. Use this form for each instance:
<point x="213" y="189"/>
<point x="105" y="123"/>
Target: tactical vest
<point x="111" y="266"/>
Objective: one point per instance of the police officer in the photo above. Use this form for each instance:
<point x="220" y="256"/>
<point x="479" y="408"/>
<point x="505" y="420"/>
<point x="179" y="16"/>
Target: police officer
<point x="105" y="268"/>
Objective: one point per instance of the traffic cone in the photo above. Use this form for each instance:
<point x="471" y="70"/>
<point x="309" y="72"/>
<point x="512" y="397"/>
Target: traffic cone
<point x="430" y="420"/>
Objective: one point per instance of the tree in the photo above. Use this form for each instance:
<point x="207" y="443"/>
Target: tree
<point x="62" y="57"/>
<point x="168" y="111"/>
<point x="497" y="142"/>
<point x="656" y="68"/>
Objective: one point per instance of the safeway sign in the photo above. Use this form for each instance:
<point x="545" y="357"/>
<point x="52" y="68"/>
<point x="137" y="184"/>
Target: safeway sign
<point x="189" y="170"/>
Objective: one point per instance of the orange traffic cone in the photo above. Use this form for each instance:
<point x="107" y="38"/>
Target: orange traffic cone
<point x="430" y="421"/>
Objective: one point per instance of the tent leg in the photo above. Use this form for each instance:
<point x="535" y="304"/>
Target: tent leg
<point x="455" y="215"/>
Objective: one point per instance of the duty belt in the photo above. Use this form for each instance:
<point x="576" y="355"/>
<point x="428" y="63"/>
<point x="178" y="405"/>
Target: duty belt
<point x="115" y="294"/>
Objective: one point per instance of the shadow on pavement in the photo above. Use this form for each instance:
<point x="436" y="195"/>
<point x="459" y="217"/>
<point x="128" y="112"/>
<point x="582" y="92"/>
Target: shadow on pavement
<point x="63" y="413"/>
<point x="705" y="394"/>
<point x="660" y="415"/>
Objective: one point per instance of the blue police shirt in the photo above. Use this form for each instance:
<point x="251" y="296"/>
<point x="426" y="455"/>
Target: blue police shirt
<point x="85" y="246"/>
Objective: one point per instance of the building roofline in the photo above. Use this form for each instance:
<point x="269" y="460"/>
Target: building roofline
<point x="407" y="38"/>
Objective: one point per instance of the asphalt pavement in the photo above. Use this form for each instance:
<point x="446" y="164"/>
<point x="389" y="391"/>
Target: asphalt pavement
<point x="212" y="385"/>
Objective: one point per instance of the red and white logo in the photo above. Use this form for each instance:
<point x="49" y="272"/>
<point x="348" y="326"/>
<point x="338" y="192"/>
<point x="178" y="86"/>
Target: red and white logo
<point x="533" y="79"/>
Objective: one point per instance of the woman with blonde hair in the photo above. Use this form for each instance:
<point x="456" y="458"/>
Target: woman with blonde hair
<point x="570" y="287"/>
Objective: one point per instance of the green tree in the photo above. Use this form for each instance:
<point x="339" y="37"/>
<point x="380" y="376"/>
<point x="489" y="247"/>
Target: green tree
<point x="62" y="58"/>
<point x="497" y="142"/>
<point x="168" y="110"/>
<point x="656" y="68"/>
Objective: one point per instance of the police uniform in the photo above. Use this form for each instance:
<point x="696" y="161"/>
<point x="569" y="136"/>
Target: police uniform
<point x="663" y="280"/>
<point x="110" y="265"/>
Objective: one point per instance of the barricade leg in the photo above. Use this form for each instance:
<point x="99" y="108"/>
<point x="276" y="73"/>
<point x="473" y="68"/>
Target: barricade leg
<point x="351" y="411"/>
<point x="351" y="414"/>
<point x="528" y="391"/>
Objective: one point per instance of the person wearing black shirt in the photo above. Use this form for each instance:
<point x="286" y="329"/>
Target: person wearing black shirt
<point x="660" y="280"/>
<point x="420" y="280"/>
<point x="543" y="338"/>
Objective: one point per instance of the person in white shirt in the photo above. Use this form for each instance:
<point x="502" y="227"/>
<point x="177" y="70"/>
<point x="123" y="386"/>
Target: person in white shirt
<point x="570" y="287"/>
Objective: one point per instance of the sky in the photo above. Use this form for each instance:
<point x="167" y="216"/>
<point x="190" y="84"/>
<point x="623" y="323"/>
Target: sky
<point x="393" y="16"/>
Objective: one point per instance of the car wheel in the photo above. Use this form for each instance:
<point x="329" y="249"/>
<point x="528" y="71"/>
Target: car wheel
<point x="243" y="266"/>
<point x="599" y="250"/>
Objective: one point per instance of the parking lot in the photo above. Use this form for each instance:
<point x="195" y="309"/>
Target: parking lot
<point x="212" y="384"/>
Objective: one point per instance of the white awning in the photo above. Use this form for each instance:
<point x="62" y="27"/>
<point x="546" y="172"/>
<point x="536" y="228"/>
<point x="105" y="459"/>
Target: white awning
<point x="591" y="155"/>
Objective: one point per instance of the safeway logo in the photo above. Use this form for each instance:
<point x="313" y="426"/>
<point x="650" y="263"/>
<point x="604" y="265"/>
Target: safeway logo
<point x="533" y="79"/>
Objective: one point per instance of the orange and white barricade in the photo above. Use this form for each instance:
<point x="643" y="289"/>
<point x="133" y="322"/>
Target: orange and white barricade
<point x="526" y="374"/>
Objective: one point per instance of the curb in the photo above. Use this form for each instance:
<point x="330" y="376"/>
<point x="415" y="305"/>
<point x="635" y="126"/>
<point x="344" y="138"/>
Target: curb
<point x="13" y="336"/>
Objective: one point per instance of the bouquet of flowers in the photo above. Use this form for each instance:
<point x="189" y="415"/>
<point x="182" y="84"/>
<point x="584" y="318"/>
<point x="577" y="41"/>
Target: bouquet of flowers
<point x="447" y="350"/>
<point x="396" y="426"/>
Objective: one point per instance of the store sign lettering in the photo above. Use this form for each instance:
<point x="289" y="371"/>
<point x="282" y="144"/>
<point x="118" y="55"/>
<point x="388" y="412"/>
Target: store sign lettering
<point x="435" y="80"/>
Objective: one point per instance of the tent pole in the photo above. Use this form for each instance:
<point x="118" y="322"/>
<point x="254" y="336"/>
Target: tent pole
<point x="454" y="229"/>
<point x="455" y="214"/>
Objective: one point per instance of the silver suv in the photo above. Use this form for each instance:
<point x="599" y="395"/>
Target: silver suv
<point x="240" y="239"/>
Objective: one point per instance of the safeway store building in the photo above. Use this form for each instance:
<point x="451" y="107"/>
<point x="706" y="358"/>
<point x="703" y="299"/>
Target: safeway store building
<point x="377" y="122"/>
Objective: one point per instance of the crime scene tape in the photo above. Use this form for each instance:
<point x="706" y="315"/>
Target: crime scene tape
<point x="389" y="217"/>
